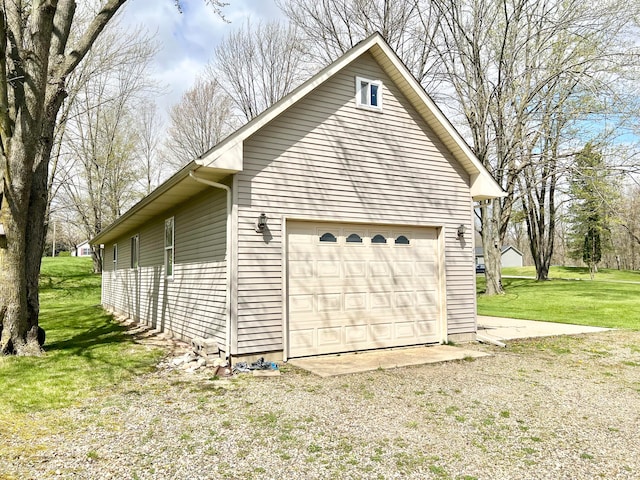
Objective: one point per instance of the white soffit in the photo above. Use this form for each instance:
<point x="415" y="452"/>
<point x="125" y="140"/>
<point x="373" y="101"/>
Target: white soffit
<point x="177" y="189"/>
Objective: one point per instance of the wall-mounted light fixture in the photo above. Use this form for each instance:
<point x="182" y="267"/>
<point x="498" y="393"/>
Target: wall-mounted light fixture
<point x="261" y="223"/>
<point x="461" y="231"/>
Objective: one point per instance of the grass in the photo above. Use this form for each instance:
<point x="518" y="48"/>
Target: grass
<point x="577" y="273"/>
<point x="86" y="351"/>
<point x="612" y="304"/>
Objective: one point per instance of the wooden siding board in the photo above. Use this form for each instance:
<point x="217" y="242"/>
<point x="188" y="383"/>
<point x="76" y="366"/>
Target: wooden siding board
<point x="325" y="158"/>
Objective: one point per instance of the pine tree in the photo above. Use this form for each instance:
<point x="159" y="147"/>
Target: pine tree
<point x="594" y="195"/>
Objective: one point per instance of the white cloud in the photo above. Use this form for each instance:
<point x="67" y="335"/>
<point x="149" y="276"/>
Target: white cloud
<point x="187" y="40"/>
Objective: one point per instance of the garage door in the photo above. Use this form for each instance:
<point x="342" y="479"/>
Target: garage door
<point x="355" y="287"/>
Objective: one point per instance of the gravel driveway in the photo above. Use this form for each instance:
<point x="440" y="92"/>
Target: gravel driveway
<point x="555" y="408"/>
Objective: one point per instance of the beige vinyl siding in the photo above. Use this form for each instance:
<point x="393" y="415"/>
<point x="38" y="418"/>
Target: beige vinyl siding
<point x="193" y="302"/>
<point x="108" y="284"/>
<point x="326" y="159"/>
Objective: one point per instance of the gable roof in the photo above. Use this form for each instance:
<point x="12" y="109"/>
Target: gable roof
<point x="226" y="157"/>
<point x="503" y="250"/>
<point x="228" y="153"/>
<point x="510" y="247"/>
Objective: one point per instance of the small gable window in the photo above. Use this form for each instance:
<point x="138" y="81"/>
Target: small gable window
<point x="369" y="93"/>
<point x="378" y="239"/>
<point x="402" y="240"/>
<point x="328" y="237"/>
<point x="354" y="238"/>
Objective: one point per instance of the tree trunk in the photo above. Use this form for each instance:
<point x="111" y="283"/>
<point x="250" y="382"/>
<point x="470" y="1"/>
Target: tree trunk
<point x="491" y="243"/>
<point x="35" y="234"/>
<point x="542" y="272"/>
<point x="96" y="255"/>
<point x="18" y="335"/>
<point x="30" y="102"/>
<point x="21" y="143"/>
<point x="39" y="201"/>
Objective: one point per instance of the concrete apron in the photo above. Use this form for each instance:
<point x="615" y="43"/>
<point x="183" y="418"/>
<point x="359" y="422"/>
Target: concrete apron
<point x="502" y="329"/>
<point x="346" y="363"/>
<point x="496" y="328"/>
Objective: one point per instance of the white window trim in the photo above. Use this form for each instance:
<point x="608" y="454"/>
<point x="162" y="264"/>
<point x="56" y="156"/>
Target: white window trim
<point x="115" y="257"/>
<point x="172" y="247"/>
<point x="137" y="252"/>
<point x="368" y="106"/>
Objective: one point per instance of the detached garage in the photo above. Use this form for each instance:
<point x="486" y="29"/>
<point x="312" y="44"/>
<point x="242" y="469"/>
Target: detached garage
<point x="333" y="222"/>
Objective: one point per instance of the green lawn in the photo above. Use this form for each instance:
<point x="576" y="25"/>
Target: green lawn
<point x="86" y="351"/>
<point x="596" y="303"/>
<point x="574" y="273"/>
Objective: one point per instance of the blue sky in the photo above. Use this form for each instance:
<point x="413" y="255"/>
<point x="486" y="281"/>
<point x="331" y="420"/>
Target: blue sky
<point x="187" y="40"/>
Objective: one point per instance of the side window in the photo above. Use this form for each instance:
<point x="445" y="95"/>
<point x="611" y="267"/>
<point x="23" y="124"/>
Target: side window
<point x="369" y="93"/>
<point x="354" y="238"/>
<point x="402" y="240"/>
<point x="328" y="237"/>
<point x="169" y="238"/>
<point x="378" y="239"/>
<point x="135" y="251"/>
<point x="115" y="257"/>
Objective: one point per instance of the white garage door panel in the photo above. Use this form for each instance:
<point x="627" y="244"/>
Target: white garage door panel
<point x="346" y="296"/>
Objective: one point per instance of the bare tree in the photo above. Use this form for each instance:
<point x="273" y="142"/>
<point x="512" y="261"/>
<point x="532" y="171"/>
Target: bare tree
<point x="628" y="235"/>
<point x="34" y="62"/>
<point x="201" y="119"/>
<point x="259" y="64"/>
<point x="515" y="75"/>
<point x="522" y="72"/>
<point x="149" y="127"/>
<point x="37" y="55"/>
<point x="331" y="27"/>
<point x="101" y="166"/>
<point x="574" y="82"/>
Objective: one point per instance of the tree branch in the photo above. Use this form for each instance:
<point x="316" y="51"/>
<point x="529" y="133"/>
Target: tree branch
<point x="86" y="41"/>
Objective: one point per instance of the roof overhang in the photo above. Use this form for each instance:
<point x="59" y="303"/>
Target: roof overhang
<point x="226" y="157"/>
<point x="482" y="184"/>
<point x="177" y="189"/>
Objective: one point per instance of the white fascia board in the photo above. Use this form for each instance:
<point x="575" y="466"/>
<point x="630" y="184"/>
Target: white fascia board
<point x="283" y="104"/>
<point x="483" y="184"/>
<point x="229" y="158"/>
<point x="484" y="187"/>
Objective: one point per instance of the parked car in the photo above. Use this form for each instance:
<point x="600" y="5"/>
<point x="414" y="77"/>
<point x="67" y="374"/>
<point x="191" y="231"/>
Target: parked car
<point x="480" y="268"/>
